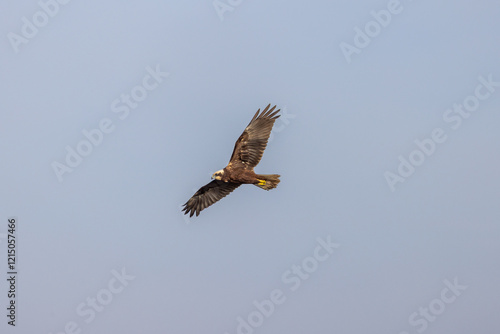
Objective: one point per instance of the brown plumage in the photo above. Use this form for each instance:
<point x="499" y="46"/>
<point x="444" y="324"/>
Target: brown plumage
<point x="247" y="153"/>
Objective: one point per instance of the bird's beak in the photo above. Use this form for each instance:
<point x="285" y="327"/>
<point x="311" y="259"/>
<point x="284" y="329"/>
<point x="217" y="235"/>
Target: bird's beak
<point x="212" y="177"/>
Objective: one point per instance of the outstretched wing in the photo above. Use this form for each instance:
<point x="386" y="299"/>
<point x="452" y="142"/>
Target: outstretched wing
<point x="250" y="146"/>
<point x="208" y="195"/>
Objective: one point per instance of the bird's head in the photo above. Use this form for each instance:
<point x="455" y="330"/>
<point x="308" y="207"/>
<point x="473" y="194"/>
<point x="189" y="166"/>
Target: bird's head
<point x="218" y="175"/>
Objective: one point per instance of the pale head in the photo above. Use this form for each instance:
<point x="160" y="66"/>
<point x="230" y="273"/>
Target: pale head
<point x="218" y="175"/>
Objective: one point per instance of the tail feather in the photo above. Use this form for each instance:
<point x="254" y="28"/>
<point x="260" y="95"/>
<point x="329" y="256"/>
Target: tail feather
<point x="268" y="181"/>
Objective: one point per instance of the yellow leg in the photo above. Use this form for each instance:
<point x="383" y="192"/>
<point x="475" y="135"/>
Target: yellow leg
<point x="262" y="182"/>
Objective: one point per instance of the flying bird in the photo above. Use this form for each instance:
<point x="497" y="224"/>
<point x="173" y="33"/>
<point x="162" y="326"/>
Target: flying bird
<point x="247" y="153"/>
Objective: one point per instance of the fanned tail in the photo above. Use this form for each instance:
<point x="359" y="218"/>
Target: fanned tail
<point x="267" y="181"/>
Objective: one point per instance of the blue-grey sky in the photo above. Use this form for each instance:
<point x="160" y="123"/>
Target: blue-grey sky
<point x="386" y="219"/>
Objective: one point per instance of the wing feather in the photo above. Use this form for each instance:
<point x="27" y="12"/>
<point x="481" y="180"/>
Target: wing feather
<point x="208" y="195"/>
<point x="250" y="146"/>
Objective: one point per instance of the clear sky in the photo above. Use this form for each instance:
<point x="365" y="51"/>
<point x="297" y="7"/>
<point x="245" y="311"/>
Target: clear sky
<point x="386" y="219"/>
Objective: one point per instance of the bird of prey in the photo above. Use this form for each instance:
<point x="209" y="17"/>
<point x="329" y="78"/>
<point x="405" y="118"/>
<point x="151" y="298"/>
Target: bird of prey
<point x="247" y="153"/>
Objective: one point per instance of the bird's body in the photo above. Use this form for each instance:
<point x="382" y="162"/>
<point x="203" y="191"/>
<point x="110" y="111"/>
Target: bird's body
<point x="248" y="176"/>
<point x="238" y="174"/>
<point x="247" y="153"/>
